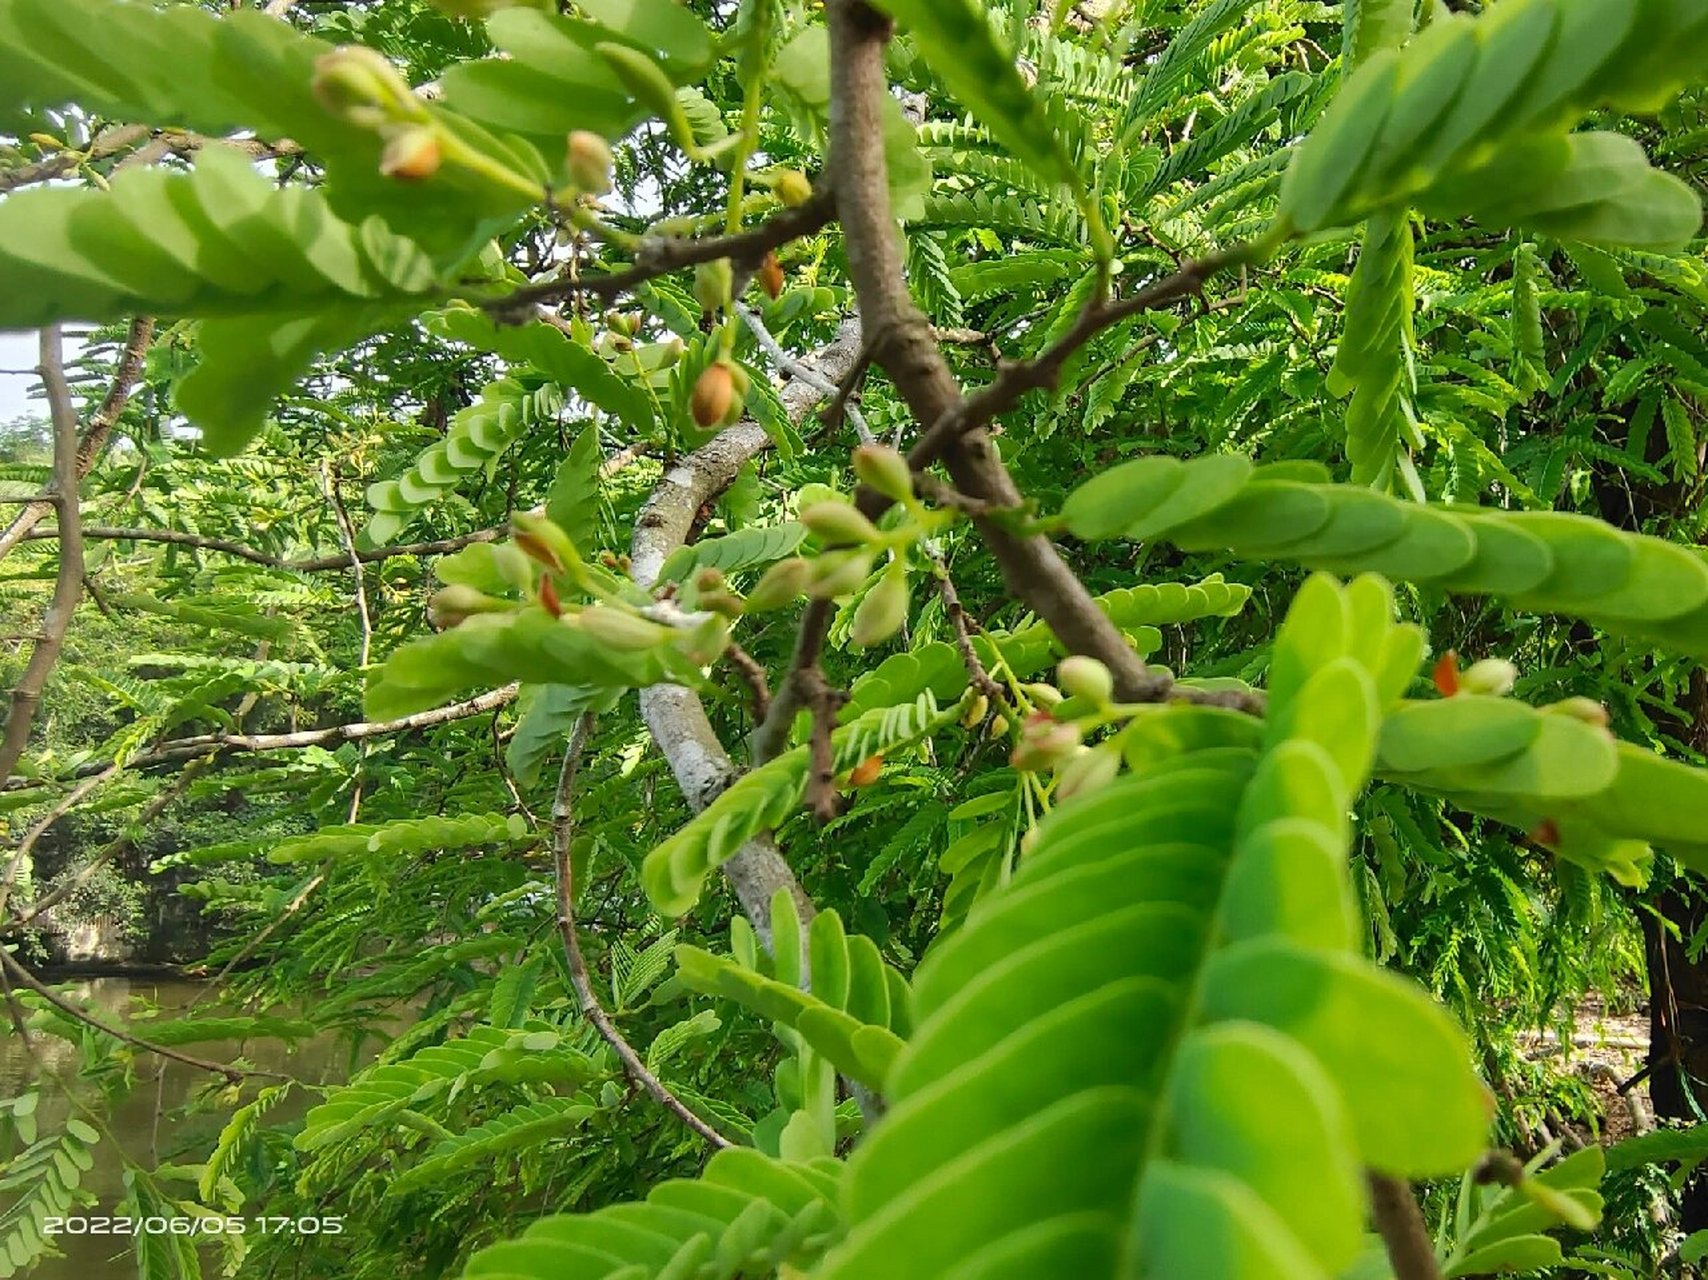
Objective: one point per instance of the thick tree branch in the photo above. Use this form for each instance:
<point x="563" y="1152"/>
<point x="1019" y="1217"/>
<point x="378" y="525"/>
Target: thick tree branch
<point x="660" y="255"/>
<point x="563" y="829"/>
<point x="176" y="749"/>
<point x="674" y="714"/>
<point x="1402" y="1228"/>
<point x="68" y="581"/>
<point x="902" y="343"/>
<point x="94" y="437"/>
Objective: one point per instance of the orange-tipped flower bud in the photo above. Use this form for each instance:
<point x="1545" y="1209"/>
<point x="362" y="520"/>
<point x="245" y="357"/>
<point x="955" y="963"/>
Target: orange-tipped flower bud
<point x="411" y="154"/>
<point x="713" y="395"/>
<point x="1044" y="743"/>
<point x="771" y="276"/>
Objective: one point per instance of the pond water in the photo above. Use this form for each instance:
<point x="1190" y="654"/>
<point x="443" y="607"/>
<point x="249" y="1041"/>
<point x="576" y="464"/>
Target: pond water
<point x="162" y="1120"/>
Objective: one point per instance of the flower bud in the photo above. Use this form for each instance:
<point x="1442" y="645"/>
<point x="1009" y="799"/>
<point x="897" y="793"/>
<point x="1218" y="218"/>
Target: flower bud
<point x="1085" y="771"/>
<point x="588" y="162"/>
<point x="1492" y="676"/>
<point x="455" y="604"/>
<point x="543" y="540"/>
<point x="720" y="601"/>
<point x="1086" y="678"/>
<point x="998" y="727"/>
<point x="513" y="565"/>
<point x="708" y="578"/>
<point x="548" y="597"/>
<point x="780" y="584"/>
<point x="704" y="642"/>
<point x="1586" y="709"/>
<point x="411" y="154"/>
<point x="976" y="711"/>
<point x="619" y="629"/>
<point x="771" y="276"/>
<point x="1445" y="674"/>
<point x="839" y="573"/>
<point x="712" y="283"/>
<point x="866" y="772"/>
<point x="792" y="186"/>
<point x="881" y="611"/>
<point x="881" y="468"/>
<point x="838" y="524"/>
<point x="1044" y="743"/>
<point x="360" y="86"/>
<point x="1043" y="695"/>
<point x="713" y="395"/>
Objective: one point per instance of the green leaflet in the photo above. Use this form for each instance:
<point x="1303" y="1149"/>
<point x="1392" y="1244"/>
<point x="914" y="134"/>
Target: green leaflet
<point x="1541" y="560"/>
<point x="42" y="1180"/>
<point x="403" y="837"/>
<point x="1498" y="1228"/>
<point x="523" y="1126"/>
<point x="1372" y="361"/>
<point x="955" y="37"/>
<point x="1470" y="118"/>
<point x="1134" y="1058"/>
<point x="528" y="645"/>
<point x="846" y="1016"/>
<point x="485" y="1055"/>
<point x="747" y="1214"/>
<point x="472" y="444"/>
<point x="674" y="872"/>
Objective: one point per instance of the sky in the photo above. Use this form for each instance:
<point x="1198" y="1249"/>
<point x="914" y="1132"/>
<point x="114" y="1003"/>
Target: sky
<point x="17" y="351"/>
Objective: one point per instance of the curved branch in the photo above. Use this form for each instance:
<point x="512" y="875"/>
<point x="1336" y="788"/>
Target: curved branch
<point x="95" y="437"/>
<point x="563" y="827"/>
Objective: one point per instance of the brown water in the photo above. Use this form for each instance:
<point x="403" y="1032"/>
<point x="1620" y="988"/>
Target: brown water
<point x="174" y="1113"/>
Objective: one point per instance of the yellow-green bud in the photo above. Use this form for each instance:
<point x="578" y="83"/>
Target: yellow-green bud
<point x="1085" y="771"/>
<point x="704" y="643"/>
<point x="588" y="162"/>
<point x="712" y="283"/>
<point x="838" y="524"/>
<point x="1586" y="709"/>
<point x="885" y="470"/>
<point x="839" y="573"/>
<point x="514" y="565"/>
<point x="359" y="85"/>
<point x="455" y="604"/>
<point x="619" y="629"/>
<point x="792" y="186"/>
<point x="1492" y="676"/>
<point x="780" y="584"/>
<point x="976" y="711"/>
<point x="1086" y="678"/>
<point x="1044" y="695"/>
<point x="881" y="611"/>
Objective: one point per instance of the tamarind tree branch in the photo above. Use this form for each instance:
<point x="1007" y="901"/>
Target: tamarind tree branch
<point x="563" y="829"/>
<point x="94" y="438"/>
<point x="660" y="255"/>
<point x="68" y="579"/>
<point x="1401" y="1226"/>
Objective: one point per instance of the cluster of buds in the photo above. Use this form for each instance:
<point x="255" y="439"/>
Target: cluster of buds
<point x="719" y="395"/>
<point x="360" y="86"/>
<point x="1491" y="677"/>
<point x="712" y="591"/>
<point x="1045" y="742"/>
<point x="1052" y="735"/>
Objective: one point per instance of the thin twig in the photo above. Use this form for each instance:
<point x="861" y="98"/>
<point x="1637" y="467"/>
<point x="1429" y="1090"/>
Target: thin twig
<point x="178" y="749"/>
<point x="63" y="806"/>
<point x="796" y="369"/>
<point x="661" y="255"/>
<point x="1398" y="1219"/>
<point x="563" y="828"/>
<point x="95" y="436"/>
<point x="68" y="581"/>
<point x="824" y="700"/>
<point x="752" y="672"/>
<point x="337" y="560"/>
<point x="233" y="1075"/>
<point x="981" y="678"/>
<point x="347" y="534"/>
